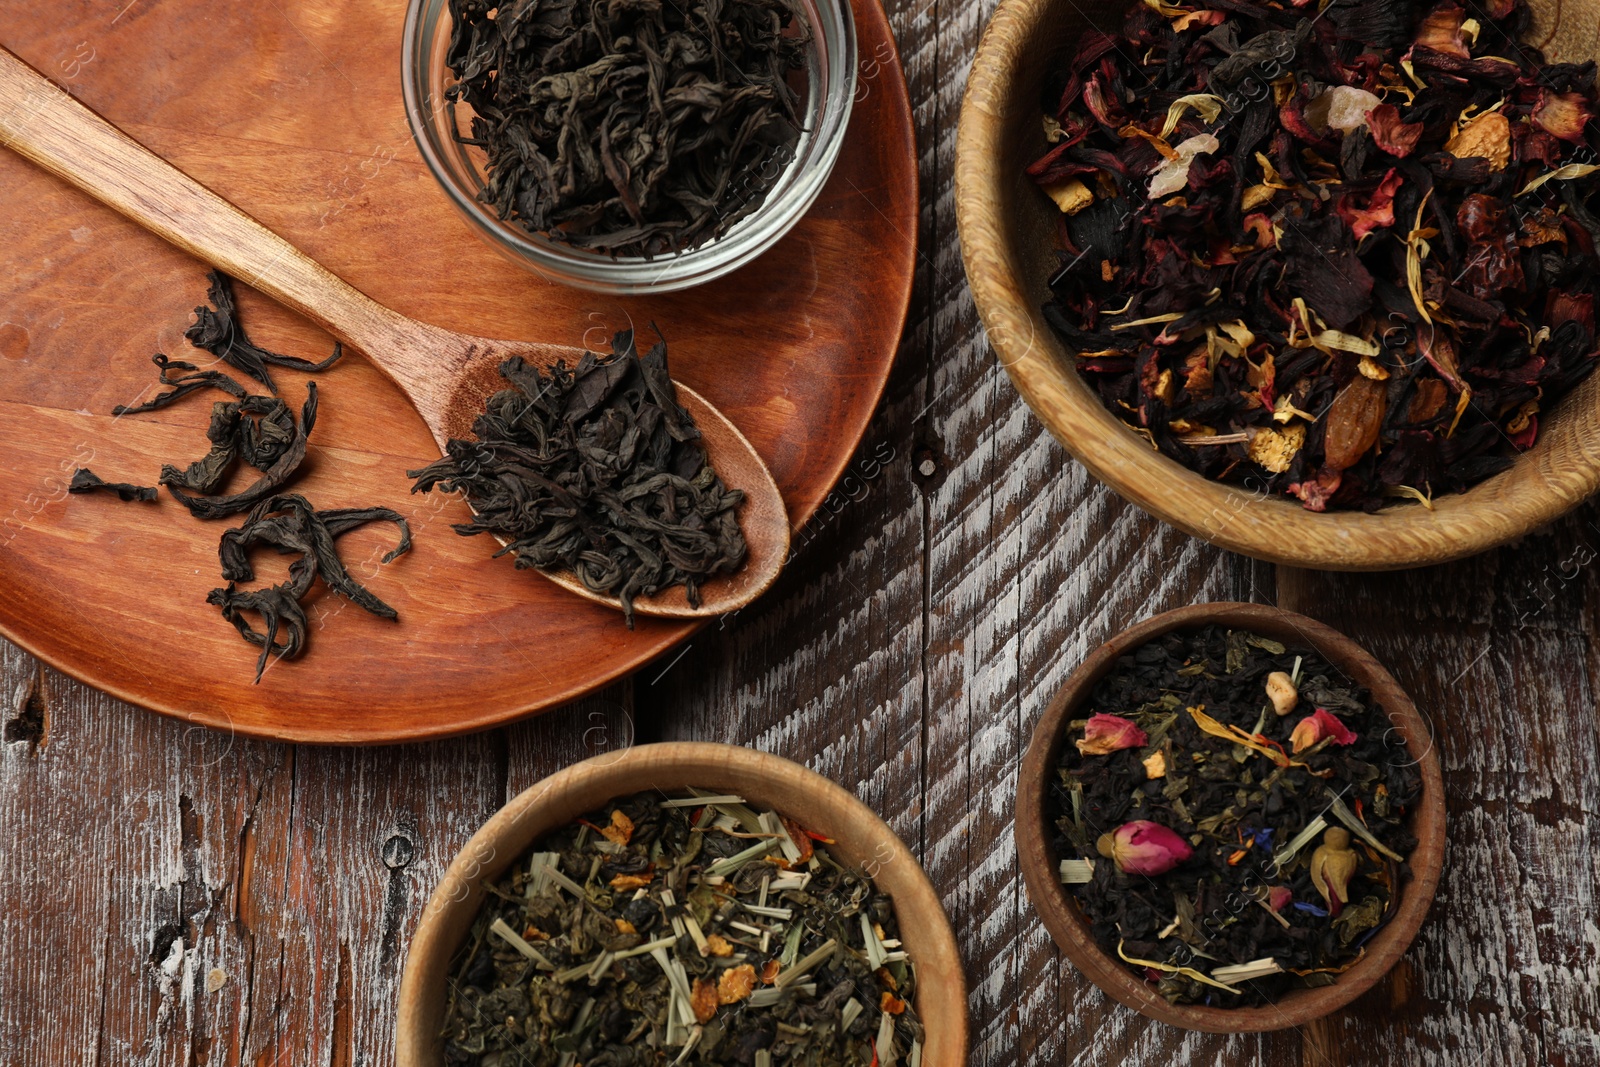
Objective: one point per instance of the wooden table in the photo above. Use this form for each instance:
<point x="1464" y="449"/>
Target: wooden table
<point x="172" y="895"/>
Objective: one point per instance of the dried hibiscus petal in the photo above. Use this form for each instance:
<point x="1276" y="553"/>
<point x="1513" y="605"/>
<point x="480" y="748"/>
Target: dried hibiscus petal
<point x="1397" y="138"/>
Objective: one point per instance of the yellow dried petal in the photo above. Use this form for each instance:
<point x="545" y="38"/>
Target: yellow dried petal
<point x="1257" y="195"/>
<point x="717" y="945"/>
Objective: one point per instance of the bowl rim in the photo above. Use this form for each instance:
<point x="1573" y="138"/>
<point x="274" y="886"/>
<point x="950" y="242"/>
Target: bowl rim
<point x="1556" y="475"/>
<point x="941" y="998"/>
<point x="793" y="192"/>
<point x="1060" y="913"/>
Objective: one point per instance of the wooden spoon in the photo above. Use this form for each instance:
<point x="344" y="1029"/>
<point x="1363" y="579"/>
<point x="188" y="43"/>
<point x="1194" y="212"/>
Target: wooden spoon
<point x="447" y="376"/>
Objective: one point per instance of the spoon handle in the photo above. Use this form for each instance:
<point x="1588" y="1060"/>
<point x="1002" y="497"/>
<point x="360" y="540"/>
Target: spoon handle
<point x="43" y="122"/>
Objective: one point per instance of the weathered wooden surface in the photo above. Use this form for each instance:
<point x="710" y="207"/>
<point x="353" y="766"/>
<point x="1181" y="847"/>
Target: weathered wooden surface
<point x="907" y="653"/>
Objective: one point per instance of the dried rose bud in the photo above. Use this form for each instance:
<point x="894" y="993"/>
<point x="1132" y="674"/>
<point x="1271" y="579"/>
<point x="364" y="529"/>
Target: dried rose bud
<point x="1144" y="847"/>
<point x="1316" y="726"/>
<point x="1333" y="864"/>
<point x="1282" y="693"/>
<point x="1105" y="734"/>
<point x="1562" y="114"/>
<point x="1279" y="897"/>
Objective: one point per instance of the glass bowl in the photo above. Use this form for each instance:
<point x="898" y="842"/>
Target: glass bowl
<point x="830" y="86"/>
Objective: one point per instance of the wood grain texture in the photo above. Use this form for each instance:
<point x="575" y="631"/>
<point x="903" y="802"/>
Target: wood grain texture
<point x="946" y="586"/>
<point x="1006" y="231"/>
<point x="737" y="341"/>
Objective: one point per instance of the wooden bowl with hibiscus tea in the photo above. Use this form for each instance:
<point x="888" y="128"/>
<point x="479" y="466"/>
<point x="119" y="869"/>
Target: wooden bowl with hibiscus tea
<point x="1313" y="281"/>
<point x="683" y="903"/>
<point x="1231" y="818"/>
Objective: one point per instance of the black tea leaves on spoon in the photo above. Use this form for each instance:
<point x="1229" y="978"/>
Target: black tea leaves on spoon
<point x="597" y="471"/>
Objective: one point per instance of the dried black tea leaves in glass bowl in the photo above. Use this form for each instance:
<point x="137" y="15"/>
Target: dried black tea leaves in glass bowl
<point x="686" y="929"/>
<point x="631" y="129"/>
<point x="1342" y="251"/>
<point x="1231" y="817"/>
<point x="597" y="470"/>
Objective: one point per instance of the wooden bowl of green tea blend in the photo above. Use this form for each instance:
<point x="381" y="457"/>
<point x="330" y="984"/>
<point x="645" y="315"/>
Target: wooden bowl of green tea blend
<point x="683" y="903"/>
<point x="1231" y="818"/>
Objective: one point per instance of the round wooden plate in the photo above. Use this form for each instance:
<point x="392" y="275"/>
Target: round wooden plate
<point x="292" y="111"/>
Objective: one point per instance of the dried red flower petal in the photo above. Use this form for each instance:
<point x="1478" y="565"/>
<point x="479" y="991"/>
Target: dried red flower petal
<point x="1379" y="210"/>
<point x="1397" y="138"/>
<point x="1562" y="114"/>
<point x="1441" y="31"/>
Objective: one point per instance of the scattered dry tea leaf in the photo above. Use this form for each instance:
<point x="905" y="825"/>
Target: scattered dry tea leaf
<point x="1275" y="449"/>
<point x="1353" y="422"/>
<point x="717" y="945"/>
<point x="1487" y="136"/>
<point x="736" y="984"/>
<point x="704" y="1000"/>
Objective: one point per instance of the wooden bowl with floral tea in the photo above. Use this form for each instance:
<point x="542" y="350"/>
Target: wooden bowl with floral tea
<point x="1333" y="257"/>
<point x="710" y="902"/>
<point x="1231" y="818"/>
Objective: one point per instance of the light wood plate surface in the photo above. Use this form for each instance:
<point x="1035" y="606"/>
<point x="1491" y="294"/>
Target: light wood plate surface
<point x="293" y="112"/>
<point x="1006" y="244"/>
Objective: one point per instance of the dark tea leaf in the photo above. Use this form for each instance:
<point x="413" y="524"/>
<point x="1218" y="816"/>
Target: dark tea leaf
<point x="217" y="330"/>
<point x="628" y="128"/>
<point x="86" y="481"/>
<point x="262" y="433"/>
<point x="597" y="471"/>
<point x="289" y="524"/>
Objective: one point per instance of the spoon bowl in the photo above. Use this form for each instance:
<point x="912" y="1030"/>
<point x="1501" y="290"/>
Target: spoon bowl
<point x="447" y="376"/>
